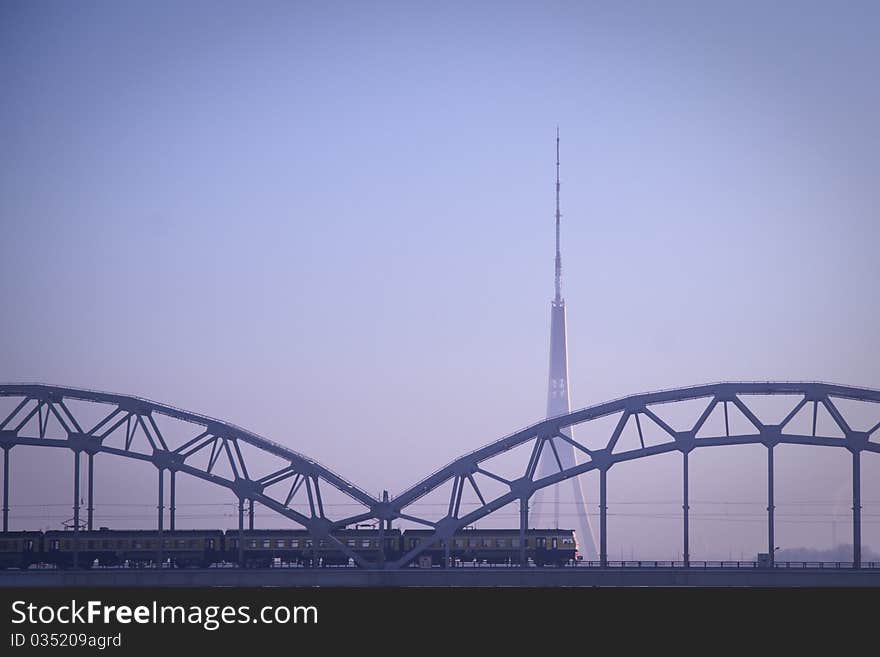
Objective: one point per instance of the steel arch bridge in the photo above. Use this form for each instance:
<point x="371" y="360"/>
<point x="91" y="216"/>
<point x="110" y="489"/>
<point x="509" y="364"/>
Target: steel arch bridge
<point x="132" y="422"/>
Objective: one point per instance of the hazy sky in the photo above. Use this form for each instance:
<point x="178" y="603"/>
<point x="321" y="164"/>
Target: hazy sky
<point x="332" y="223"/>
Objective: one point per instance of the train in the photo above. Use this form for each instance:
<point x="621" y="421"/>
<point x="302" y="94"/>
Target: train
<point x="263" y="548"/>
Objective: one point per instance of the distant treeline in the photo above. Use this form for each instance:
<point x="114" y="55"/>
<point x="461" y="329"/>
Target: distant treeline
<point x="843" y="552"/>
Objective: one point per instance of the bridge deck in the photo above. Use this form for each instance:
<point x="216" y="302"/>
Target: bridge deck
<point x="354" y="577"/>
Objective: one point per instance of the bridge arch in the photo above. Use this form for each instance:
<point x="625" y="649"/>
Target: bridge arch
<point x="638" y="410"/>
<point x="129" y="414"/>
<point x="133" y="422"/>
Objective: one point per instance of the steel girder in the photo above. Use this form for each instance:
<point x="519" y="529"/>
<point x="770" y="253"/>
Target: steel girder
<point x="639" y="407"/>
<point x="222" y="438"/>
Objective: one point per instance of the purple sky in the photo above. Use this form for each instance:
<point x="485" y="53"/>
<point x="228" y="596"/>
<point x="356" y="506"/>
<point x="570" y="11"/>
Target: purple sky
<point x="332" y="223"/>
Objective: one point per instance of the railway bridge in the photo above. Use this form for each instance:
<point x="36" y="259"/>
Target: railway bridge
<point x="130" y="427"/>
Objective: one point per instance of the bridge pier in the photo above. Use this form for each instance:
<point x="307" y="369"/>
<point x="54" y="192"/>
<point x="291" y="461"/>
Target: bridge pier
<point x="603" y="516"/>
<point x="857" y="508"/>
<point x="771" y="540"/>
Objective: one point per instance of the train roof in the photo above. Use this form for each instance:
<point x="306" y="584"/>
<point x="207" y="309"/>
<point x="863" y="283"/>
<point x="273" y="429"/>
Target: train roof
<point x="305" y="532"/>
<point x="142" y="532"/>
<point x="492" y="532"/>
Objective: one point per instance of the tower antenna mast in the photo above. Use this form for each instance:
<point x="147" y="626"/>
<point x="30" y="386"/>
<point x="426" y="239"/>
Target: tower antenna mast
<point x="558" y="217"/>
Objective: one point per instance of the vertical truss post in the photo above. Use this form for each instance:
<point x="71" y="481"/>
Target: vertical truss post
<point x="523" y="526"/>
<point x="76" y="508"/>
<point x="603" y="517"/>
<point x="685" y="507"/>
<point x="857" y="508"/>
<point x="251" y="514"/>
<point x="5" y="489"/>
<point x="771" y="540"/>
<point x="382" y="533"/>
<point x="241" y="532"/>
<point x="90" y="510"/>
<point x="161" y="520"/>
<point x="173" y="507"/>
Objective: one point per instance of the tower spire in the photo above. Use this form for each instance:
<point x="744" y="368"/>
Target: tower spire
<point x="558" y="403"/>
<point x="558" y="298"/>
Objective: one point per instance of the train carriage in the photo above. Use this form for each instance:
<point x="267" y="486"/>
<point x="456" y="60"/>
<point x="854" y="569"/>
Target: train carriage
<point x="20" y="549"/>
<point x="496" y="546"/>
<point x="107" y="547"/>
<point x="263" y="547"/>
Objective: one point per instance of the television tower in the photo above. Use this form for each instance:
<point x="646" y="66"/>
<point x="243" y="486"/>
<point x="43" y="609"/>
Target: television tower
<point x="558" y="404"/>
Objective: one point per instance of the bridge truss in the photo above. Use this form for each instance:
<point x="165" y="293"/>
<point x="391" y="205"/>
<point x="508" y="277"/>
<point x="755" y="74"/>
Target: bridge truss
<point x="124" y="418"/>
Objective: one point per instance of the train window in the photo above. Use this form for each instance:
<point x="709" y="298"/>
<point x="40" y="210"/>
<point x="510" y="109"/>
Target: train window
<point x="120" y="544"/>
<point x="413" y="542"/>
<point x="555" y="543"/>
<point x="459" y="542"/>
<point x="514" y="542"/>
<point x="567" y="540"/>
<point x="209" y="543"/>
<point x="252" y="543"/>
<point x="487" y="542"/>
<point x="294" y="542"/>
<point x="91" y="545"/>
<point x="267" y="543"/>
<point x="279" y="543"/>
<point x="28" y="545"/>
<point x="166" y="543"/>
<point x="308" y="543"/>
<point x="365" y="543"/>
<point x="474" y="542"/>
<point x="351" y="542"/>
<point x="66" y="545"/>
<point x="322" y="543"/>
<point x="233" y="543"/>
<point x="500" y="543"/>
<point x="106" y="544"/>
